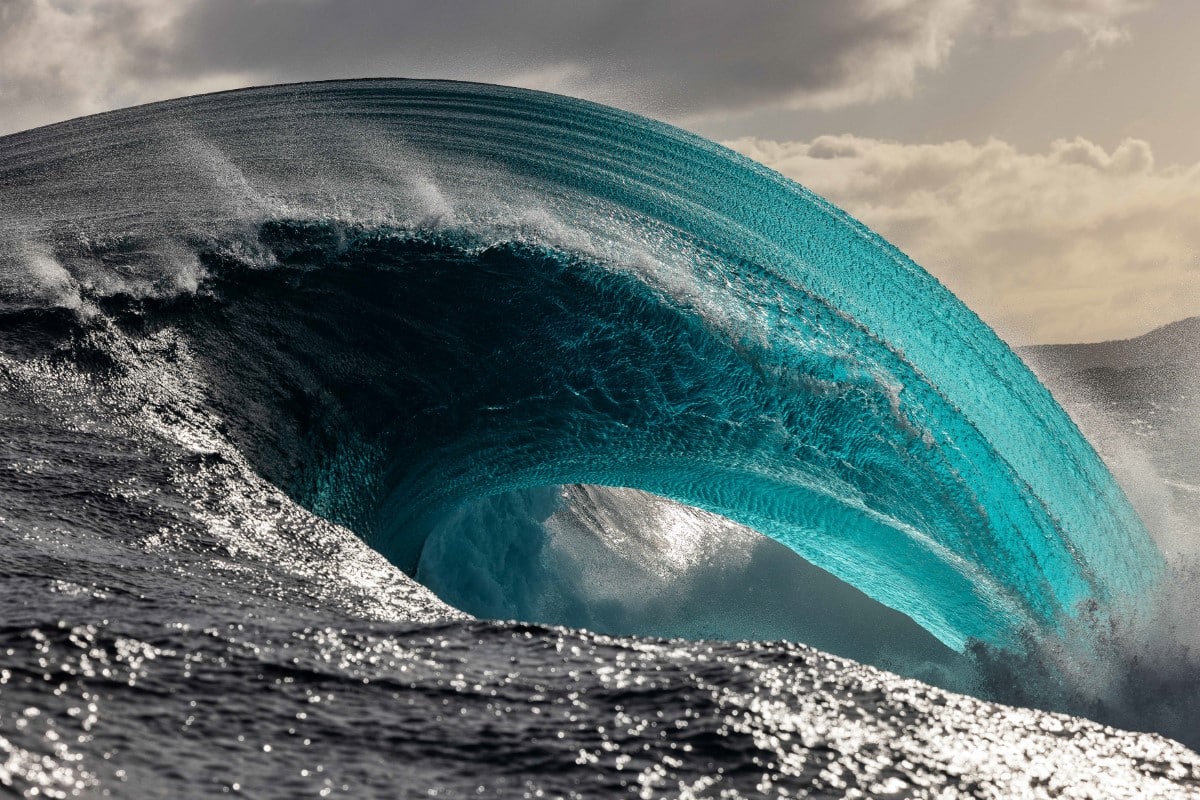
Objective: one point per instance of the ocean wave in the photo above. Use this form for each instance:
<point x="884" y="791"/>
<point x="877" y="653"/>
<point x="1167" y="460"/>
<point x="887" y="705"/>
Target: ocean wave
<point x="553" y="361"/>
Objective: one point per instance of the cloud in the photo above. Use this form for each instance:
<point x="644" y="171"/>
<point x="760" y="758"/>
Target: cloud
<point x="661" y="55"/>
<point x="1070" y="244"/>
<point x="65" y="58"/>
<point x="677" y="59"/>
<point x="1099" y="21"/>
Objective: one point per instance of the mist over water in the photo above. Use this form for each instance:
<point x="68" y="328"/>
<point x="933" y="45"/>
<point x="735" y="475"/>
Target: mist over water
<point x="626" y="562"/>
<point x="1137" y="664"/>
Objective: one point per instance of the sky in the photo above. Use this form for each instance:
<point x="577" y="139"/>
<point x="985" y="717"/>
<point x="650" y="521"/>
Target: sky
<point x="1038" y="156"/>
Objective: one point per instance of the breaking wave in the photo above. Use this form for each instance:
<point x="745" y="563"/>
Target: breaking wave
<point x="566" y="364"/>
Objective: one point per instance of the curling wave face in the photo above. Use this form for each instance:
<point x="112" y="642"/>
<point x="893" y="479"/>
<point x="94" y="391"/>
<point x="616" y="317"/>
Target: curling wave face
<point x="417" y="305"/>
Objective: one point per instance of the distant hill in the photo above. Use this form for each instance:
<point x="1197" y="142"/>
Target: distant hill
<point x="1173" y="344"/>
<point x="1138" y="400"/>
<point x="1158" y="369"/>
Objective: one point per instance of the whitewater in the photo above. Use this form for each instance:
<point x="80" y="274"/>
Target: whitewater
<point x="418" y="438"/>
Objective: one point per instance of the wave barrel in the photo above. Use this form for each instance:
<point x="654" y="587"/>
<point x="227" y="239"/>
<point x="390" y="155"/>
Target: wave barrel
<point x="410" y="296"/>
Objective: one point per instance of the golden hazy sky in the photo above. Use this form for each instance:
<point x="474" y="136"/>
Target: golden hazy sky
<point x="1038" y="156"/>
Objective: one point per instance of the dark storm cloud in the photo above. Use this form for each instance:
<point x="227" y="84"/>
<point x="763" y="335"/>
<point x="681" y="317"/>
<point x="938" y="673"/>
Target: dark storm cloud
<point x="679" y="59"/>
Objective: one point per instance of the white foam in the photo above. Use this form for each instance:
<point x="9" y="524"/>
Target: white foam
<point x="31" y="274"/>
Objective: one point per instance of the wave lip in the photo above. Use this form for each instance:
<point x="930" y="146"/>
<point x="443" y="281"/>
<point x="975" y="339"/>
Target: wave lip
<point x="407" y="296"/>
